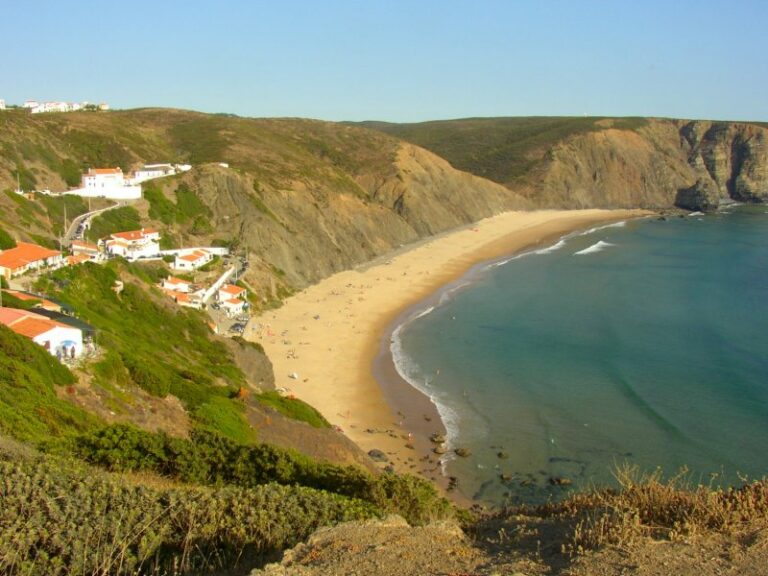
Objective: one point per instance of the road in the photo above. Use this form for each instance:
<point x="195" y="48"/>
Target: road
<point x="72" y="230"/>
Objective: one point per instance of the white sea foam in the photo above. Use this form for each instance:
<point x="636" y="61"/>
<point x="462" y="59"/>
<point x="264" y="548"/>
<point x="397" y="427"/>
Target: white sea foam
<point x="559" y="244"/>
<point x="447" y="294"/>
<point x="410" y="371"/>
<point x="696" y="214"/>
<point x="620" y="224"/>
<point x="597" y="247"/>
<point x="422" y="313"/>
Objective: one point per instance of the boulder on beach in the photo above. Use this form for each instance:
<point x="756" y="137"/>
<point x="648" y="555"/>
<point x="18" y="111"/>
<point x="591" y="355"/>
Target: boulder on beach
<point x="437" y="438"/>
<point x="463" y="452"/>
<point x="439" y="449"/>
<point x="378" y="455"/>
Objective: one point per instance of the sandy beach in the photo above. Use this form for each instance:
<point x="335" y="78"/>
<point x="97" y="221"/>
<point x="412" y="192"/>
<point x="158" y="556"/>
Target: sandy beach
<point x="324" y="341"/>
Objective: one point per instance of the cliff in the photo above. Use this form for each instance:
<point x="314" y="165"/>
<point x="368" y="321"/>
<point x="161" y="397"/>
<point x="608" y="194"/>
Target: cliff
<point x="604" y="162"/>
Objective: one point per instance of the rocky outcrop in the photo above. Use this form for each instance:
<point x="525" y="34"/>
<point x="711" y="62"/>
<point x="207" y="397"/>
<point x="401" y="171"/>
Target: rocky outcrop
<point x="702" y="196"/>
<point x="694" y="165"/>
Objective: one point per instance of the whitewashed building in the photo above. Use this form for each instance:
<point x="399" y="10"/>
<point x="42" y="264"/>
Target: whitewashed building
<point x="192" y="260"/>
<point x="25" y="257"/>
<point x="2" y="104"/>
<point x="106" y="183"/>
<point x="59" y="339"/>
<point x="174" y="284"/>
<point x="144" y="243"/>
<point x="100" y="178"/>
<point x="152" y="171"/>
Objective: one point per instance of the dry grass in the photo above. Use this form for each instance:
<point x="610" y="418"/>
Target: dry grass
<point x="648" y="506"/>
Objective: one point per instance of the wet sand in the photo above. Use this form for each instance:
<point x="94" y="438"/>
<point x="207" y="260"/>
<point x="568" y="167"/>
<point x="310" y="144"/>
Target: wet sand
<point x="329" y="343"/>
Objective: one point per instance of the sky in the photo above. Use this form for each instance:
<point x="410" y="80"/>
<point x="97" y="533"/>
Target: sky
<point x="393" y="60"/>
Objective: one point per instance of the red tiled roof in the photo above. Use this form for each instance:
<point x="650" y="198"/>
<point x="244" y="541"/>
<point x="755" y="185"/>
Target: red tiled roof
<point x="234" y="301"/>
<point x="84" y="245"/>
<point x="194" y="256"/>
<point x="31" y="327"/>
<point x="95" y="171"/>
<point x="231" y="289"/>
<point x="79" y="259"/>
<point x="134" y="234"/>
<point x="10" y="315"/>
<point x="23" y="254"/>
<point x="174" y="280"/>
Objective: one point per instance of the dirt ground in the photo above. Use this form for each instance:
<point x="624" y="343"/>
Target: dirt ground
<point x="392" y="548"/>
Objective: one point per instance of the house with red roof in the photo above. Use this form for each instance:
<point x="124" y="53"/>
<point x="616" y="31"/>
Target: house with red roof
<point x="79" y="247"/>
<point x="144" y="243"/>
<point x="192" y="260"/>
<point x="101" y="178"/>
<point x="25" y="257"/>
<point x="232" y="299"/>
<point x="59" y="339"/>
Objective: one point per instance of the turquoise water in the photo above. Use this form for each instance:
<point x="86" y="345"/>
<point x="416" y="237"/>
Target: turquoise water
<point x="649" y="347"/>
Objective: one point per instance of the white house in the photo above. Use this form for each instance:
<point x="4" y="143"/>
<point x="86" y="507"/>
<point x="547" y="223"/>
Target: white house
<point x="25" y="257"/>
<point x="230" y="291"/>
<point x="144" y="243"/>
<point x="79" y="247"/>
<point x="177" y="285"/>
<point x="59" y="339"/>
<point x="151" y="171"/>
<point x="192" y="260"/>
<point x="103" y="178"/>
<point x="30" y="104"/>
<point x="107" y="183"/>
<point x="2" y="104"/>
<point x="233" y="306"/>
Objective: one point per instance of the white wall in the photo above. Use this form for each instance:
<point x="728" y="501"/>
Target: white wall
<point x="58" y="335"/>
<point x="116" y="193"/>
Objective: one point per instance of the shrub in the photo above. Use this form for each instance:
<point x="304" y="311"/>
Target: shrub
<point x="6" y="240"/>
<point x="293" y="408"/>
<point x="61" y="518"/>
<point x="212" y="459"/>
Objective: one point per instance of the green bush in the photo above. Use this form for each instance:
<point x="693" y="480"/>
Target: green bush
<point x="293" y="408"/>
<point x="62" y="518"/>
<point x="6" y="240"/>
<point x="212" y="459"/>
<point x="30" y="410"/>
<point x="116" y="220"/>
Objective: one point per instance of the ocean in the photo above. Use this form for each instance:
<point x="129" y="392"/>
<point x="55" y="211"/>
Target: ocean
<point x="643" y="342"/>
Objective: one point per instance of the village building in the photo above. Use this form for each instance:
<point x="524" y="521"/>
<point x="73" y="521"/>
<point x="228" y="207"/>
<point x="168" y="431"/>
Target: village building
<point x="232" y="299"/>
<point x="177" y="285"/>
<point x="2" y="104"/>
<point x="192" y="260"/>
<point x="74" y="260"/>
<point x="189" y="300"/>
<point x="229" y="291"/>
<point x="79" y="247"/>
<point x="151" y="171"/>
<point x="43" y="303"/>
<point x="106" y="183"/>
<point x="25" y="257"/>
<point x="100" y="178"/>
<point x="144" y="243"/>
<point x="233" y="306"/>
<point x="59" y="339"/>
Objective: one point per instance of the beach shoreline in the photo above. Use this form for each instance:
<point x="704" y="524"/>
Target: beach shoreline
<point x="329" y="344"/>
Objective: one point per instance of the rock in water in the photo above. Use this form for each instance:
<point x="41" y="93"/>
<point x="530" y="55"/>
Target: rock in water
<point x="463" y="452"/>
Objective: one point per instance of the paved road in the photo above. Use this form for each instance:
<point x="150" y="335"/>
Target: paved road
<point x="72" y="231"/>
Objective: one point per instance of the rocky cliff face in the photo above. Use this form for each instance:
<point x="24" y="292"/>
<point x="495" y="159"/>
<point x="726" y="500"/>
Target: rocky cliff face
<point x="694" y="165"/>
<point x="297" y="236"/>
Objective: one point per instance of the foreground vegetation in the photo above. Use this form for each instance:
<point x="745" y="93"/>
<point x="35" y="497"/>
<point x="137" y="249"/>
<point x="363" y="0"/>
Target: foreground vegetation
<point x="59" y="517"/>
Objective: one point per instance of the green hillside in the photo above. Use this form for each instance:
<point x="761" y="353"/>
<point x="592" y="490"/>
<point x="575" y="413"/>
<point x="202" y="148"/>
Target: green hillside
<point x="500" y="149"/>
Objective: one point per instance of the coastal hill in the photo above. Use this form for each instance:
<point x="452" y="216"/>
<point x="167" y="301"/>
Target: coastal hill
<point x="603" y="162"/>
<point x="307" y="198"/>
<point x="171" y="436"/>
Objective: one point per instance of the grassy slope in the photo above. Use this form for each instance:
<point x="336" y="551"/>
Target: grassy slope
<point x="500" y="149"/>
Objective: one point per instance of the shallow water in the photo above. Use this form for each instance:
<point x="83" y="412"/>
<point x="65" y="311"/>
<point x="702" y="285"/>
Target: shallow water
<point x="644" y="343"/>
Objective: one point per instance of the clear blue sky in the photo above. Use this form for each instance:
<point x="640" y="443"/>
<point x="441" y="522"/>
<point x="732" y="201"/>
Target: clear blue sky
<point x="396" y="60"/>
